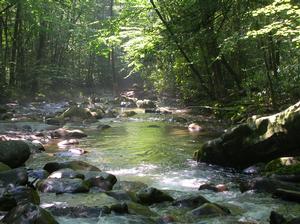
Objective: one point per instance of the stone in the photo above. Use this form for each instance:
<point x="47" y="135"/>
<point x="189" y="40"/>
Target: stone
<point x="166" y="219"/>
<point x="62" y="185"/>
<point x="28" y="213"/>
<point x="288" y="195"/>
<point x="16" y="176"/>
<point x="14" y="153"/>
<point x="128" y="114"/>
<point x="145" y="104"/>
<point x="75" y="113"/>
<point x="267" y="184"/>
<point x="74" y="165"/>
<point x="119" y="208"/>
<point x="35" y="147"/>
<point x="258" y="140"/>
<point x="131" y="186"/>
<point x="102" y="180"/>
<point x="79" y="211"/>
<point x="66" y="173"/>
<point x="150" y="195"/>
<point x="209" y="210"/>
<point x="12" y="196"/>
<point x="64" y="133"/>
<point x="190" y="201"/>
<point x="193" y="127"/>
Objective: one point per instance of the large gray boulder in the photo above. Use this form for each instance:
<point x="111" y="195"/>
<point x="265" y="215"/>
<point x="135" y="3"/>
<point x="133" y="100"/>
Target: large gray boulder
<point x="14" y="153"/>
<point x="258" y="140"/>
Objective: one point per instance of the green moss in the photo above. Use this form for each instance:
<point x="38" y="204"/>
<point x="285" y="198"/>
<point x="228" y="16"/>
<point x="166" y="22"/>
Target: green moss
<point x="292" y="169"/>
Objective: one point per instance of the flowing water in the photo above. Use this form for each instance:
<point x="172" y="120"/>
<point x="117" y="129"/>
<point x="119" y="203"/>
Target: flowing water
<point x="149" y="149"/>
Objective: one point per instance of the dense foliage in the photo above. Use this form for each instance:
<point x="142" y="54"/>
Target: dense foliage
<point x="220" y="51"/>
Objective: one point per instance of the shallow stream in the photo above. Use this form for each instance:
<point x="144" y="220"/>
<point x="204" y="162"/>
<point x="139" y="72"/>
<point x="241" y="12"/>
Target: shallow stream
<point x="152" y="150"/>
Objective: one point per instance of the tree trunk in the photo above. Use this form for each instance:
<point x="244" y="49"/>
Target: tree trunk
<point x="14" y="48"/>
<point x="112" y="58"/>
<point x="2" y="65"/>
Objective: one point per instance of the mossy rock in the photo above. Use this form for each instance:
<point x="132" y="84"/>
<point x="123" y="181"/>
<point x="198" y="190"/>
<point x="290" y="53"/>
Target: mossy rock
<point x="76" y="112"/>
<point x="282" y="165"/>
<point x="4" y="167"/>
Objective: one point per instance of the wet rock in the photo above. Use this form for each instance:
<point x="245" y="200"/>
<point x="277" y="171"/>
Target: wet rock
<point x="193" y="127"/>
<point x="62" y="185"/>
<point x="28" y="213"/>
<point x="212" y="187"/>
<point x="190" y="201"/>
<point x="14" y="153"/>
<point x="35" y="147"/>
<point x="145" y="104"/>
<point x="255" y="169"/>
<point x="119" y="208"/>
<point x="16" y="176"/>
<point x="64" y="133"/>
<point x="265" y="184"/>
<point x="287" y="195"/>
<point x="4" y="167"/>
<point x="66" y="173"/>
<point x="12" y="196"/>
<point x="150" y="195"/>
<point x="102" y="180"/>
<point x="138" y="209"/>
<point x="257" y="140"/>
<point x="210" y="209"/>
<point x="74" y="165"/>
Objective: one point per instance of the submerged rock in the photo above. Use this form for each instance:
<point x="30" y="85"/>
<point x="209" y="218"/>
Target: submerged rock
<point x="74" y="165"/>
<point x="80" y="211"/>
<point x="150" y="195"/>
<point x="29" y="213"/>
<point x="14" y="153"/>
<point x="258" y="140"/>
<point x="62" y="185"/>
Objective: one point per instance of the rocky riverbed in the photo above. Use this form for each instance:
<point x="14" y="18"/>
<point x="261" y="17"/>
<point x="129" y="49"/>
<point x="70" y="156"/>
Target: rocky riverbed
<point x="93" y="163"/>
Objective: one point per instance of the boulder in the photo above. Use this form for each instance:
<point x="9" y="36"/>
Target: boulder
<point x="150" y="195"/>
<point x="74" y="165"/>
<point x="101" y="180"/>
<point x="267" y="184"/>
<point x="14" y="153"/>
<point x="210" y="210"/>
<point x="62" y="185"/>
<point x="75" y="113"/>
<point x="257" y="140"/>
<point x="28" y="213"/>
<point x="145" y="104"/>
<point x="64" y="133"/>
<point x="35" y="147"/>
<point x="16" y="176"/>
<point x="193" y="127"/>
<point x="66" y="173"/>
<point x="12" y="196"/>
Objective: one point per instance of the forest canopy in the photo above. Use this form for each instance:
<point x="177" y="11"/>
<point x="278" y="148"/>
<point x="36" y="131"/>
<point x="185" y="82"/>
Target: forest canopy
<point x="221" y="51"/>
